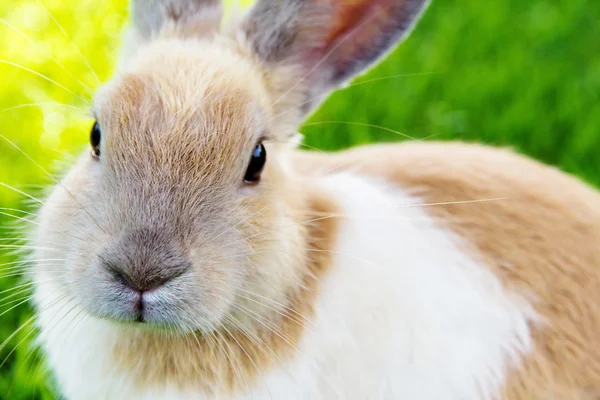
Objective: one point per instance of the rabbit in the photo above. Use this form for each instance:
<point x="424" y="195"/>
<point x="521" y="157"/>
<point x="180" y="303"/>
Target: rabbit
<point x="202" y="256"/>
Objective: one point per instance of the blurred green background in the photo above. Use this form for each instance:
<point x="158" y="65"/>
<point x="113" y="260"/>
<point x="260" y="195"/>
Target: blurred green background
<point x="503" y="72"/>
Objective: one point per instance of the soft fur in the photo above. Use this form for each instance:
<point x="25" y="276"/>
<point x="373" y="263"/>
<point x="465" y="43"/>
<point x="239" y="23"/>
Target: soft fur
<point x="418" y="271"/>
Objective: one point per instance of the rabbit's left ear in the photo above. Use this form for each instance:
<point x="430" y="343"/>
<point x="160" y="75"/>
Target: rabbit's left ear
<point x="329" y="41"/>
<point x="184" y="18"/>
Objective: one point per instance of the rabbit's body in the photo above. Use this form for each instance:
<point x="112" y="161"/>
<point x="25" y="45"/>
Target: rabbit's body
<point x="440" y="301"/>
<point x="187" y="266"/>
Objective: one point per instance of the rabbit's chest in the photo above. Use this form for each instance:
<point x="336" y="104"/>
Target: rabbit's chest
<point x="404" y="312"/>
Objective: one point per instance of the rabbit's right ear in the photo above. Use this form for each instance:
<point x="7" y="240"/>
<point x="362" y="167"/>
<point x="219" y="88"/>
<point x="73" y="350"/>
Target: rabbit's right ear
<point x="183" y="18"/>
<point x="323" y="43"/>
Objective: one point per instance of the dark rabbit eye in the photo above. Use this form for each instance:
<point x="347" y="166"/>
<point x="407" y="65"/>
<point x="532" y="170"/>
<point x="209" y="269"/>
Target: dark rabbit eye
<point x="257" y="163"/>
<point x="95" y="138"/>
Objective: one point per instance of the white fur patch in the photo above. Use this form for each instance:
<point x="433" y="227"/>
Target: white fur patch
<point x="403" y="314"/>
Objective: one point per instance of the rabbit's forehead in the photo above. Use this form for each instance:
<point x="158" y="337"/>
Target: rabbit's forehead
<point x="175" y="84"/>
<point x="160" y="120"/>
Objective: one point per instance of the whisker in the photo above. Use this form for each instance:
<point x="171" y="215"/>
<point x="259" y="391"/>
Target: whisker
<point x="30" y="320"/>
<point x="310" y="100"/>
<point x="282" y="336"/>
<point x="253" y="337"/>
<point x="64" y="315"/>
<point x="249" y="358"/>
<point x="16" y="332"/>
<point x="25" y="285"/>
<point x="15" y="65"/>
<point x="34" y="351"/>
<point x="400" y="218"/>
<point x="260" y="344"/>
<point x="25" y="241"/>
<point x="47" y="104"/>
<point x="53" y="178"/>
<point x="383" y="78"/>
<point x="273" y="328"/>
<point x="19" y="211"/>
<point x="20" y="271"/>
<point x="24" y="262"/>
<point x="10" y="246"/>
<point x="287" y="308"/>
<point x="230" y="353"/>
<point x="40" y="225"/>
<point x="238" y="224"/>
<point x="383" y="128"/>
<point x="17" y="346"/>
<point x="193" y="334"/>
<point x="46" y="53"/>
<point x="345" y="255"/>
<point x="311" y="147"/>
<point x="456" y="202"/>
<point x="15" y="306"/>
<point x="64" y="32"/>
<point x="242" y="240"/>
<point x="21" y="193"/>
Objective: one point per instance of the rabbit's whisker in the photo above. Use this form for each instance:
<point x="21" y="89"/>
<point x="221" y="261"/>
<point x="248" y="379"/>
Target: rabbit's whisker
<point x="383" y="128"/>
<point x="46" y="53"/>
<point x="13" y="246"/>
<point x="40" y="225"/>
<point x="276" y="303"/>
<point x="47" y="104"/>
<point x="30" y="320"/>
<point x="445" y="203"/>
<point x="18" y="211"/>
<point x="17" y="346"/>
<point x="20" y="271"/>
<point x="229" y="354"/>
<point x="256" y="341"/>
<point x="358" y="83"/>
<point x="241" y="347"/>
<point x="25" y="262"/>
<point x="276" y="331"/>
<point x="21" y="193"/>
<point x="238" y="224"/>
<point x="35" y="349"/>
<point x="75" y="47"/>
<point x="24" y="285"/>
<point x="15" y="65"/>
<point x="53" y="178"/>
<point x="20" y="301"/>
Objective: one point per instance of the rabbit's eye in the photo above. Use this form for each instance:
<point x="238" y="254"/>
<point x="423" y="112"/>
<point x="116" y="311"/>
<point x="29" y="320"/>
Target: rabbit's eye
<point x="95" y="138"/>
<point x="257" y="163"/>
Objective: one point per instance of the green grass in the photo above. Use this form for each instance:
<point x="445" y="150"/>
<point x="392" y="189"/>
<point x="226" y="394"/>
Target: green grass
<point x="512" y="73"/>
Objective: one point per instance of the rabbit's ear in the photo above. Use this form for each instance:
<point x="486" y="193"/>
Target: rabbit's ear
<point x="177" y="17"/>
<point x="329" y="41"/>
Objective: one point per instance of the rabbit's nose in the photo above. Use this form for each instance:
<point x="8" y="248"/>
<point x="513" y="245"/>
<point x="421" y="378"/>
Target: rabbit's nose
<point x="144" y="260"/>
<point x="143" y="284"/>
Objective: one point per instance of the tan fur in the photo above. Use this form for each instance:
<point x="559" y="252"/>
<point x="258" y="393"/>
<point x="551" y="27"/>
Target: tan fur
<point x="538" y="235"/>
<point x="232" y="359"/>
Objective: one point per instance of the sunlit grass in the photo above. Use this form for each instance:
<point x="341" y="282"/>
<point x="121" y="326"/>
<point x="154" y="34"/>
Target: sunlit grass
<point x="522" y="74"/>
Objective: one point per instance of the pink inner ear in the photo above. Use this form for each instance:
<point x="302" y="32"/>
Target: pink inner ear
<point x="347" y="16"/>
<point x="357" y="32"/>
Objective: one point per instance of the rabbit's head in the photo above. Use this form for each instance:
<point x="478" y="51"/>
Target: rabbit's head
<point x="186" y="202"/>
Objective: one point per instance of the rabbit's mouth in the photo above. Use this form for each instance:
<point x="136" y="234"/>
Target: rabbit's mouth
<point x="188" y="301"/>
